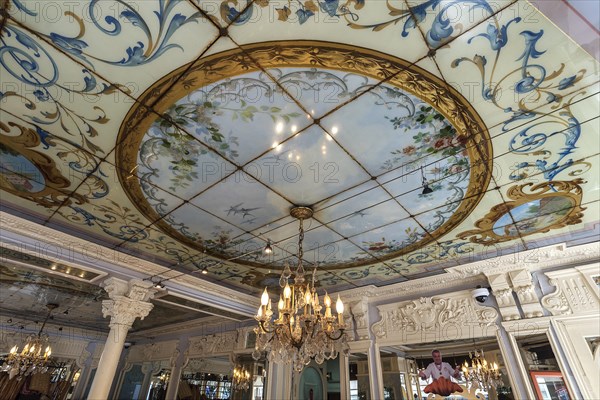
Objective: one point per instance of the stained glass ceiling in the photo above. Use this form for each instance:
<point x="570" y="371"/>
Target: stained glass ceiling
<point x="424" y="134"/>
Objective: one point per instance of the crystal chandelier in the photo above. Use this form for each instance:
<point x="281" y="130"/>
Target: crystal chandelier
<point x="480" y="372"/>
<point x="241" y="378"/>
<point x="300" y="332"/>
<point x="33" y="358"/>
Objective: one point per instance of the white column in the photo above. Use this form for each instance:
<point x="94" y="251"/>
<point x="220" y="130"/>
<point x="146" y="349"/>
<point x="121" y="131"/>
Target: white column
<point x="178" y="361"/>
<point x="128" y="301"/>
<point x="344" y="376"/>
<point x="375" y="372"/>
<point x="279" y="381"/>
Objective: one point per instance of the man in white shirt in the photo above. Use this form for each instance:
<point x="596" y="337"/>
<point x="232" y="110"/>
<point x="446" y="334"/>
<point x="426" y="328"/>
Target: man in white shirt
<point x="438" y="368"/>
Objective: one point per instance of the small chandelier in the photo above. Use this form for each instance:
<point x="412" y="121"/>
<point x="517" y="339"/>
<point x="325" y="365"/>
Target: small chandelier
<point x="300" y="332"/>
<point x="30" y="360"/>
<point x="241" y="378"/>
<point x="163" y="377"/>
<point x="481" y="373"/>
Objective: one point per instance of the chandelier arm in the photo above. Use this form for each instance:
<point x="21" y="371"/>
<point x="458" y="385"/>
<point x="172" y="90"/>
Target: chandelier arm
<point x="265" y="330"/>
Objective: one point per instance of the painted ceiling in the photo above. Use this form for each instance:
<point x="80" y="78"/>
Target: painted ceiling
<point x="423" y="134"/>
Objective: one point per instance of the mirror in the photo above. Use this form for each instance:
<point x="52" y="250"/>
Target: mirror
<point x="132" y="383"/>
<point x="413" y="371"/>
<point x="212" y="379"/>
<point x="251" y="384"/>
<point x="358" y="368"/>
<point x="543" y="368"/>
<point x="158" y="385"/>
<point x="391" y="365"/>
<point x="311" y="382"/>
<point x="333" y="378"/>
<point x="207" y="378"/>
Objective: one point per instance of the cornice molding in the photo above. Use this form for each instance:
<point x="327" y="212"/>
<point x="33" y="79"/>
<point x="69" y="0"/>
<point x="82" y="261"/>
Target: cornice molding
<point x="476" y="272"/>
<point x="532" y="260"/>
<point x="71" y="251"/>
<point x="453" y="277"/>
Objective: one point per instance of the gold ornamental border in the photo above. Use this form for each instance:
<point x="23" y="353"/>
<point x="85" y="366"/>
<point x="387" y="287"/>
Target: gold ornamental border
<point x="570" y="190"/>
<point x="54" y="192"/>
<point x="312" y="54"/>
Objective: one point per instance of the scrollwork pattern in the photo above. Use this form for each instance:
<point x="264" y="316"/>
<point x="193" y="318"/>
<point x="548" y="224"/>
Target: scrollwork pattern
<point x="442" y="29"/>
<point x="27" y="60"/>
<point x="536" y="86"/>
<point x="156" y="44"/>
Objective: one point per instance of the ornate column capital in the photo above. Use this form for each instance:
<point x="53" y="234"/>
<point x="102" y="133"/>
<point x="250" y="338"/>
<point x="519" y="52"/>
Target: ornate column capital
<point x="128" y="301"/>
<point x="135" y="289"/>
<point x="123" y="311"/>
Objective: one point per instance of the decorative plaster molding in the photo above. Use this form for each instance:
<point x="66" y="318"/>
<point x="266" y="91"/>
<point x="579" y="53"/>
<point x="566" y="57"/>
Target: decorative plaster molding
<point x="576" y="291"/>
<point x="186" y="358"/>
<point x="504" y="297"/>
<point x="97" y="355"/>
<point x="357" y="319"/>
<point x="213" y="344"/>
<point x="556" y="302"/>
<point x="412" y="320"/>
<point x="532" y="260"/>
<point x="115" y="287"/>
<point x="472" y="273"/>
<point x="522" y="284"/>
<point x="150" y="350"/>
<point x="503" y="293"/>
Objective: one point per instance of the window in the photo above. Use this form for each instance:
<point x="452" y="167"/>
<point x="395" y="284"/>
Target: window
<point x="354" y="390"/>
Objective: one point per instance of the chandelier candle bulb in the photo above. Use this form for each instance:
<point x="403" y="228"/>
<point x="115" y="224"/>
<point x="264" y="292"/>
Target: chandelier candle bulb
<point x="339" y="307"/>
<point x="327" y="301"/>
